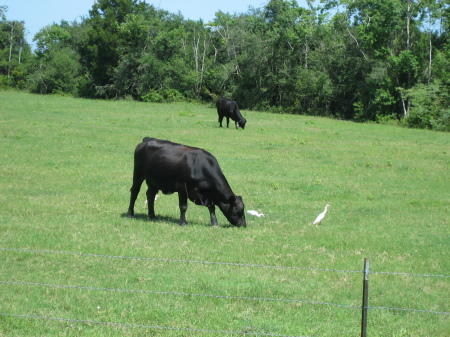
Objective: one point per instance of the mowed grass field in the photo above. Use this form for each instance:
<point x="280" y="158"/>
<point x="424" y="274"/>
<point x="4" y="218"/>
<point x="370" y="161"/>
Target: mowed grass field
<point x="65" y="173"/>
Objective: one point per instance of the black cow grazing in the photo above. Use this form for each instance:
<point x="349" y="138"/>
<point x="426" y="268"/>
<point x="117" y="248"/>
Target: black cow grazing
<point x="192" y="172"/>
<point x="230" y="109"/>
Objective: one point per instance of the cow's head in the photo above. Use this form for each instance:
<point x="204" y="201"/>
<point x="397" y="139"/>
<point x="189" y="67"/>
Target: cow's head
<point x="242" y="123"/>
<point x="235" y="211"/>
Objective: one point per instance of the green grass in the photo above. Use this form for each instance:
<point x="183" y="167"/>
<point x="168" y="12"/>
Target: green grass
<point x="66" y="170"/>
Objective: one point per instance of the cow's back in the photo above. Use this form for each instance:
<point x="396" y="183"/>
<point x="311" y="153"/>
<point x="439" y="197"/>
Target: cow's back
<point x="224" y="107"/>
<point x="170" y="166"/>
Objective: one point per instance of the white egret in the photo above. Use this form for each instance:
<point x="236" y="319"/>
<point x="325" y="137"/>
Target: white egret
<point x="255" y="213"/>
<point x="156" y="198"/>
<point x="321" y="215"/>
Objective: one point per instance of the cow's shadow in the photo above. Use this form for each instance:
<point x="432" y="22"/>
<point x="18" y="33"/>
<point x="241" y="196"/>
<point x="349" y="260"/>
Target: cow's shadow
<point x="168" y="219"/>
<point x="159" y="218"/>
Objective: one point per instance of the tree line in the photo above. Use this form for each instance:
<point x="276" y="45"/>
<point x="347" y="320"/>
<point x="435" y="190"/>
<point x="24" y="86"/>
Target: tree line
<point x="365" y="60"/>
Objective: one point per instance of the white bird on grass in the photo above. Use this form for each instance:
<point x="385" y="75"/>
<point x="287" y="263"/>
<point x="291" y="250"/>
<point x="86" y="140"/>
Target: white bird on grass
<point x="156" y="198"/>
<point x="321" y="215"/>
<point x="255" y="213"/>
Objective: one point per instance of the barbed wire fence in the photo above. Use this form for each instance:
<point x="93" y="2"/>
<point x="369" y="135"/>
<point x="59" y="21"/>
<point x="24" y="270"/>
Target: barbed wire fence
<point x="364" y="307"/>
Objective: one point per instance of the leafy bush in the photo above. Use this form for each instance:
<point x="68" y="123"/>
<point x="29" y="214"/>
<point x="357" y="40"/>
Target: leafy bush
<point x="153" y="96"/>
<point x="163" y="96"/>
<point x="3" y="81"/>
<point x="430" y="106"/>
<point x="57" y="75"/>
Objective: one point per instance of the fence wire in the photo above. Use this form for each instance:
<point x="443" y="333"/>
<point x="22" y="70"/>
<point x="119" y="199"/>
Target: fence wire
<point x="181" y="294"/>
<point x="144" y="326"/>
<point x="193" y="294"/>
<point x="218" y="296"/>
<point x="212" y="262"/>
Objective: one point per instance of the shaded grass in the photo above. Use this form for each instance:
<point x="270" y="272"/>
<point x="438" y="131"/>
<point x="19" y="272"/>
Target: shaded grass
<point x="66" y="167"/>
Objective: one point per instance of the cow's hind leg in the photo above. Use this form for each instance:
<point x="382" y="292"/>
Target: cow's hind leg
<point x="138" y="179"/>
<point x="220" y="121"/>
<point x="183" y="202"/>
<point x="151" y="194"/>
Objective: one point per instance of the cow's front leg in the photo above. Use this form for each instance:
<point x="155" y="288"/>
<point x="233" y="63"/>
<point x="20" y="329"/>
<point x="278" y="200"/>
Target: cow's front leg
<point x="228" y="121"/>
<point x="237" y="125"/>
<point x="183" y="202"/>
<point x="220" y="121"/>
<point x="151" y="193"/>
<point x="212" y="213"/>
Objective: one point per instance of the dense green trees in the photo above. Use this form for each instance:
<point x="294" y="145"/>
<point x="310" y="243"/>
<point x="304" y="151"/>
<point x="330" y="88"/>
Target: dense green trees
<point x="14" y="51"/>
<point x="360" y="60"/>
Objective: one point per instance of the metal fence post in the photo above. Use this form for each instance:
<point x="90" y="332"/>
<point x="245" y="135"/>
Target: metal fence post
<point x="365" y="301"/>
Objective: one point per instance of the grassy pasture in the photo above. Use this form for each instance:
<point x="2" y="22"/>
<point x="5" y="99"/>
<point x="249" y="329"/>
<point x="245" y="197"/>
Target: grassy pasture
<point x="66" y="169"/>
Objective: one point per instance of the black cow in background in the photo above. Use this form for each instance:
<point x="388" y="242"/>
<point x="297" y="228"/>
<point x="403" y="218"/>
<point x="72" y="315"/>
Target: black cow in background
<point x="230" y="109"/>
<point x="192" y="172"/>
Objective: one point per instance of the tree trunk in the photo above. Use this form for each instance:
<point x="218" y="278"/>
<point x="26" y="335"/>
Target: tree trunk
<point x="11" y="34"/>
<point x="429" y="62"/>
<point x="407" y="104"/>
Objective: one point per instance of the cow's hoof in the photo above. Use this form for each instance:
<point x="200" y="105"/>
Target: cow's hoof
<point x="130" y="216"/>
<point x="183" y="223"/>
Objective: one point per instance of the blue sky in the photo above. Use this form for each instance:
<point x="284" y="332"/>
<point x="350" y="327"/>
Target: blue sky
<point x="39" y="13"/>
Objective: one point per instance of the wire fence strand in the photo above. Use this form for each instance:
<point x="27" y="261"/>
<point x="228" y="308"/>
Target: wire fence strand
<point x="145" y="326"/>
<point x="183" y="294"/>
<point x="219" y="296"/>
<point x="213" y="262"/>
<point x="35" y="284"/>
